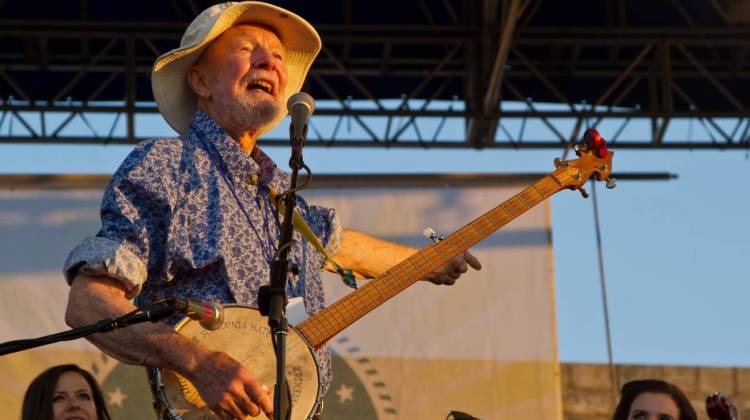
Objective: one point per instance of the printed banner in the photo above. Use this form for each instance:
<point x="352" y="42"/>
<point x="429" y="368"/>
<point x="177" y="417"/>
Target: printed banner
<point x="486" y="346"/>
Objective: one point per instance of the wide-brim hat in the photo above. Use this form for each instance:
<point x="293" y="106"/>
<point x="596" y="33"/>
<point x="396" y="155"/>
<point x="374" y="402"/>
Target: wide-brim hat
<point x="175" y="99"/>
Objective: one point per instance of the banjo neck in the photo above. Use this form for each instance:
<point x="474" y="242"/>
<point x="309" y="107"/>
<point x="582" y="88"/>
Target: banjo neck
<point x="324" y="325"/>
<point x="594" y="161"/>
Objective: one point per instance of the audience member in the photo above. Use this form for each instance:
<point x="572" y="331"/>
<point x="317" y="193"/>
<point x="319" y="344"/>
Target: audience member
<point x="652" y="399"/>
<point x="64" y="391"/>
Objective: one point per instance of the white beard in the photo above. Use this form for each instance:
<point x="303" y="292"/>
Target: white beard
<point x="247" y="113"/>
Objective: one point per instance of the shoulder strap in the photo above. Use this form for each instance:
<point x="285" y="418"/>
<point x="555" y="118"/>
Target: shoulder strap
<point x="301" y="226"/>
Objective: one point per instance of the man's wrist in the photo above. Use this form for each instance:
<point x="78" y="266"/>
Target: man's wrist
<point x="194" y="362"/>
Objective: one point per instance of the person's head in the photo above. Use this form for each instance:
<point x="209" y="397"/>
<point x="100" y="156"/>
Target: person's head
<point x="64" y="392"/>
<point x="652" y="399"/>
<point x="240" y="79"/>
<point x="239" y="62"/>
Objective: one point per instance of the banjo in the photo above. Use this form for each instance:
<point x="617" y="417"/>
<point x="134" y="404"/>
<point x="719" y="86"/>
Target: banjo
<point x="175" y="396"/>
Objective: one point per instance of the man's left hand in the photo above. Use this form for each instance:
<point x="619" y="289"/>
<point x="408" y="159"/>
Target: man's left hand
<point x="451" y="271"/>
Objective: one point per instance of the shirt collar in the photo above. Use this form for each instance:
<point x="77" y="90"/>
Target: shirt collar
<point x="270" y="174"/>
<point x="257" y="168"/>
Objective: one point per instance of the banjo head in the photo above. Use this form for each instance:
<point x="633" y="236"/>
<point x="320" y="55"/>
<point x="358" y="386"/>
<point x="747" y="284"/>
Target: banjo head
<point x="246" y="337"/>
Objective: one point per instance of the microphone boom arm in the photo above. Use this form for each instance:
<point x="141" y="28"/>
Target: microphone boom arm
<point x="102" y="326"/>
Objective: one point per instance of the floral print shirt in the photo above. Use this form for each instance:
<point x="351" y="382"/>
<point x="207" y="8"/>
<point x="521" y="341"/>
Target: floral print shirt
<point x="191" y="217"/>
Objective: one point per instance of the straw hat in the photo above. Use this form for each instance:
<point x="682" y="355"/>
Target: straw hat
<point x="176" y="101"/>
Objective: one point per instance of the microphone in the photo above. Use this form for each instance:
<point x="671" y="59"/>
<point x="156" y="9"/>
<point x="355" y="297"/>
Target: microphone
<point x="300" y="107"/>
<point x="209" y="315"/>
<point x="460" y="415"/>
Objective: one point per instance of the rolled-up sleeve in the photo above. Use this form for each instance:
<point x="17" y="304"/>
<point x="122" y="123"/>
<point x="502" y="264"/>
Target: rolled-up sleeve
<point x="97" y="256"/>
<point x="135" y="214"/>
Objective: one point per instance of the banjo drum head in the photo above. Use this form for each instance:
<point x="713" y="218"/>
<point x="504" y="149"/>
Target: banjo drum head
<point x="246" y="337"/>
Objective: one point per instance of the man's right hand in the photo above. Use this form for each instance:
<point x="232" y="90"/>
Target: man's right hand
<point x="228" y="388"/>
<point x="225" y="385"/>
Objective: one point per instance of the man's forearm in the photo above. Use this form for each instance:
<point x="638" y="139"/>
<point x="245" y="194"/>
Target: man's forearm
<point x="368" y="255"/>
<point x="152" y="344"/>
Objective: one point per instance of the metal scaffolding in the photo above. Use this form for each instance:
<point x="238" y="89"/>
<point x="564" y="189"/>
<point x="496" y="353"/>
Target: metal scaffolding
<point x="449" y="73"/>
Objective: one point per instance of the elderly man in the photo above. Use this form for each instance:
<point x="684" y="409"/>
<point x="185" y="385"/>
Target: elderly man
<point x="191" y="216"/>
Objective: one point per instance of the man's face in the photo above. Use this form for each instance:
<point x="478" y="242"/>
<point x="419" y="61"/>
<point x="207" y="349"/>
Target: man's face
<point x="244" y="78"/>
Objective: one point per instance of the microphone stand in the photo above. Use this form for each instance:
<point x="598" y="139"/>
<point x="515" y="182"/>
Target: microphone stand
<point x="275" y="294"/>
<point x="102" y="326"/>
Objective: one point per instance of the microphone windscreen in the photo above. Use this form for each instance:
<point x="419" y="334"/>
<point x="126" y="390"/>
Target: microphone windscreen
<point x="216" y="318"/>
<point x="300" y="98"/>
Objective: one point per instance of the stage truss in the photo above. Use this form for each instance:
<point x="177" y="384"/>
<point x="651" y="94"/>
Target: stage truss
<point x="439" y="74"/>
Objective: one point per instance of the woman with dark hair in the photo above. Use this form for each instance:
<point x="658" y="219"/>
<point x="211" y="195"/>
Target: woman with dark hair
<point x="63" y="392"/>
<point x="652" y="399"/>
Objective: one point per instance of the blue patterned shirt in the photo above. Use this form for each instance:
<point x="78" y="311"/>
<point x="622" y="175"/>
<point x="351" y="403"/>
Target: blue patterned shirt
<point x="191" y="217"/>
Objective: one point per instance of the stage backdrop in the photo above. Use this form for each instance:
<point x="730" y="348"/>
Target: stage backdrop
<point x="486" y="346"/>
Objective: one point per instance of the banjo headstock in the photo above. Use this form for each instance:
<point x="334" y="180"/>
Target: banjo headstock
<point x="594" y="161"/>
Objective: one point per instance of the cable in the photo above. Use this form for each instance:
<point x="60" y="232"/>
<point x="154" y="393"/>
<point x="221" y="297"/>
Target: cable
<point x="603" y="285"/>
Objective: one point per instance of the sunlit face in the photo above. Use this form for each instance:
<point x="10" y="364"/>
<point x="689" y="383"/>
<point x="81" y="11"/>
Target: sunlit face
<point x="653" y="406"/>
<point x="72" y="399"/>
<point x="241" y="78"/>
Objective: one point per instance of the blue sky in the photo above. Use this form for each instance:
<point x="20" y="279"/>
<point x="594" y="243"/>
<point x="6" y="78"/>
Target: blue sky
<point x="675" y="251"/>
